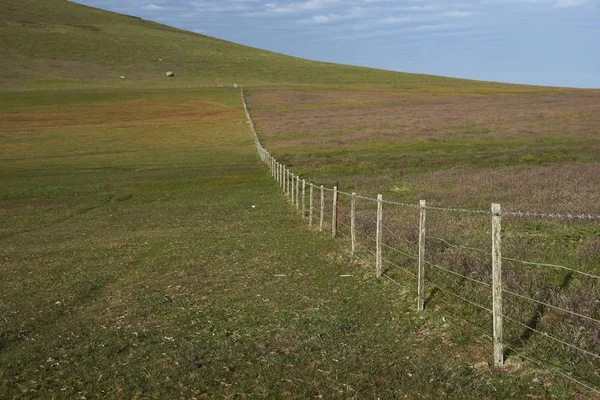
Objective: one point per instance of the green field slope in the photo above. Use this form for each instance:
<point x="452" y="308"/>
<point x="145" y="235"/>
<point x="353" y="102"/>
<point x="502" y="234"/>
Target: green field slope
<point x="56" y="41"/>
<point x="146" y="253"/>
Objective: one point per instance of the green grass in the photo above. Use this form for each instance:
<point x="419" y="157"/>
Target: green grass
<point x="146" y="253"/>
<point x="150" y="274"/>
<point x="461" y="151"/>
<point x="49" y="43"/>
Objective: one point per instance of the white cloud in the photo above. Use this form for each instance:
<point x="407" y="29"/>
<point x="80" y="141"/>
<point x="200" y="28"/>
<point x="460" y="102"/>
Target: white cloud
<point x="570" y="3"/>
<point x="153" y="7"/>
<point x="459" y="13"/>
<point x="355" y="12"/>
<point x="556" y="3"/>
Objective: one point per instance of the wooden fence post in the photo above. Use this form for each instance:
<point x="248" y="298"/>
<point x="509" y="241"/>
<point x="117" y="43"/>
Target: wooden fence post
<point x="297" y="192"/>
<point x="338" y="212"/>
<point x="303" y="196"/>
<point x="292" y="181"/>
<point x="379" y="236"/>
<point x="322" y="209"/>
<point x="353" y="222"/>
<point x="287" y="182"/>
<point x="334" y="212"/>
<point x="497" y="283"/>
<point x="310" y="205"/>
<point x="421" y="264"/>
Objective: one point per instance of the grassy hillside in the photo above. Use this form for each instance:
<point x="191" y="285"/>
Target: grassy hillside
<point x="57" y="41"/>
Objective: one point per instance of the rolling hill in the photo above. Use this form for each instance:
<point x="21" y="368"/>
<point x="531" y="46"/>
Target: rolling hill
<point x="48" y="42"/>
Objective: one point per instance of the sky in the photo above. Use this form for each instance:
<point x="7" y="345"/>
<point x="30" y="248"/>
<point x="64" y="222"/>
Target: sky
<point x="537" y="42"/>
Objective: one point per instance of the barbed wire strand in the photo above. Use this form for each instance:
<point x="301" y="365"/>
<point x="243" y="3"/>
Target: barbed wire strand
<point x="459" y="246"/>
<point x="265" y="154"/>
<point x="544" y="334"/>
<point x="457" y="274"/>
<point x="398" y="237"/>
<point x="553" y="266"/>
<point x="461" y="210"/>
<point x="391" y="279"/>
<point x="551" y="215"/>
<point x="448" y="209"/>
<point x="555" y="369"/>
<point x="400" y="251"/>
<point x="397" y="203"/>
<point x="404" y="269"/>
<point x="550" y="305"/>
<point x="447" y="291"/>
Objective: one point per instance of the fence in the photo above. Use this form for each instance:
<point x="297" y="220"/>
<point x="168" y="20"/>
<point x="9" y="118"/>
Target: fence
<point x="398" y="239"/>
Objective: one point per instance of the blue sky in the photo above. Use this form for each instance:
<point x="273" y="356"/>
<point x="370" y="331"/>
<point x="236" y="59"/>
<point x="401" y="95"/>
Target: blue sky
<point x="540" y="42"/>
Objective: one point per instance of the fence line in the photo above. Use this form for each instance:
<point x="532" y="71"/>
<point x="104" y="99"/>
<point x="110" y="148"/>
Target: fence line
<point x="290" y="184"/>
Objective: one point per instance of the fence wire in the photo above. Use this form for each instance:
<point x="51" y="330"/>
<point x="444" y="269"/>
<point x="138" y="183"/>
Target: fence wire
<point x="354" y="219"/>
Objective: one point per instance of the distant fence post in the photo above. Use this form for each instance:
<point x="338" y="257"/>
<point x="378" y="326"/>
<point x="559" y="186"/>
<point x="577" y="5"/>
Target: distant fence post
<point x="353" y="222"/>
<point x="310" y="205"/>
<point x="421" y="264"/>
<point x="287" y="182"/>
<point x="334" y="212"/>
<point x="379" y="236"/>
<point x="322" y="209"/>
<point x="303" y="196"/>
<point x="293" y="189"/>
<point x="497" y="283"/>
<point x="338" y="212"/>
<point x="297" y="192"/>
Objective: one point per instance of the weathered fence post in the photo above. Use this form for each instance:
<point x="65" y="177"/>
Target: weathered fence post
<point x="297" y="192"/>
<point x="310" y="205"/>
<point x="322" y="209"/>
<point x="353" y="222"/>
<point x="295" y="189"/>
<point x="334" y="212"/>
<point x="287" y="182"/>
<point x="293" y="183"/>
<point x="337" y="206"/>
<point x="421" y="264"/>
<point x="303" y="196"/>
<point x="497" y="283"/>
<point x="379" y="236"/>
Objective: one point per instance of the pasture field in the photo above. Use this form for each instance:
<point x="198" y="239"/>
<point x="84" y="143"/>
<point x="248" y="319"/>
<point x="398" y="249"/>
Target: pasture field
<point x="529" y="149"/>
<point x="146" y="253"/>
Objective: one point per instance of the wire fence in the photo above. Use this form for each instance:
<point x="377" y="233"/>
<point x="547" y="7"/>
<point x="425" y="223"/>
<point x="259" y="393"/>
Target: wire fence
<point x="543" y="311"/>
